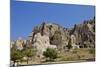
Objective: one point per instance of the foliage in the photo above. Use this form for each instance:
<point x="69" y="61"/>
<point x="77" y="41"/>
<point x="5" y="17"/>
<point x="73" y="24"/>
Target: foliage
<point x="29" y="53"/>
<point x="50" y="53"/>
<point x="19" y="54"/>
<point x="92" y="51"/>
<point x="16" y="54"/>
<point x="69" y="44"/>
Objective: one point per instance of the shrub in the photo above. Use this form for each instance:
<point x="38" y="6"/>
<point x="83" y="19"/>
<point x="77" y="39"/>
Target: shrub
<point x="92" y="51"/>
<point x="29" y="53"/>
<point x="69" y="44"/>
<point x="16" y="55"/>
<point x="50" y="53"/>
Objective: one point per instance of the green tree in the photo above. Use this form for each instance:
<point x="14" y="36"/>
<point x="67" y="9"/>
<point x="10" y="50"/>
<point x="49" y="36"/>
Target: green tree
<point x="69" y="44"/>
<point x="92" y="51"/>
<point x="50" y="53"/>
<point x="29" y="53"/>
<point x="16" y="55"/>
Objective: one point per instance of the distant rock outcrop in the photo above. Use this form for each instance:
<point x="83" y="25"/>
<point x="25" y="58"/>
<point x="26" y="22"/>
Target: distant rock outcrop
<point x="19" y="43"/>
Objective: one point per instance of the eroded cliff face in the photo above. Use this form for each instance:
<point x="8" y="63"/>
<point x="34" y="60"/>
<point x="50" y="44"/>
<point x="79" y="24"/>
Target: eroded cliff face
<point x="55" y="36"/>
<point x="41" y="43"/>
<point x="85" y="34"/>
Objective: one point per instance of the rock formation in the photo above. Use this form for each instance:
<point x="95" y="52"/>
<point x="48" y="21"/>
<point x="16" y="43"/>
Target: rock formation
<point x="41" y="43"/>
<point x="19" y="44"/>
<point x="81" y="35"/>
<point x="55" y="36"/>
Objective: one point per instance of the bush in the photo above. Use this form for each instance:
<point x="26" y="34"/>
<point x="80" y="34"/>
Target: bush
<point x="16" y="55"/>
<point x="75" y="52"/>
<point x="92" y="51"/>
<point x="69" y="44"/>
<point x="50" y="53"/>
<point x="29" y="53"/>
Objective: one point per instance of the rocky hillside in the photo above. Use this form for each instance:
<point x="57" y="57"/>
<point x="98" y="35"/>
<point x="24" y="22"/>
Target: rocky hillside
<point x="55" y="36"/>
<point x="82" y="34"/>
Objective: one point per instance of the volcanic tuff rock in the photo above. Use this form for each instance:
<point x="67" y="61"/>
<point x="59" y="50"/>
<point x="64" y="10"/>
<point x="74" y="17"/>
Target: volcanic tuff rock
<point x="19" y="44"/>
<point x="41" y="43"/>
<point x="55" y="36"/>
<point x="83" y="34"/>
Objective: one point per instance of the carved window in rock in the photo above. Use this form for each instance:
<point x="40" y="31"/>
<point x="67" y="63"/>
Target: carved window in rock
<point x="90" y="40"/>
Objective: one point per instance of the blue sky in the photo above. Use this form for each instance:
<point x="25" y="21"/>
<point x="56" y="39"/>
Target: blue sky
<point x="26" y="15"/>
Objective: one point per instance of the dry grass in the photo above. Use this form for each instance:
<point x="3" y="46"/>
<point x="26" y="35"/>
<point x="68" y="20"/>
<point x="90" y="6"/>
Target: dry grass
<point x="77" y="54"/>
<point x="73" y="55"/>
